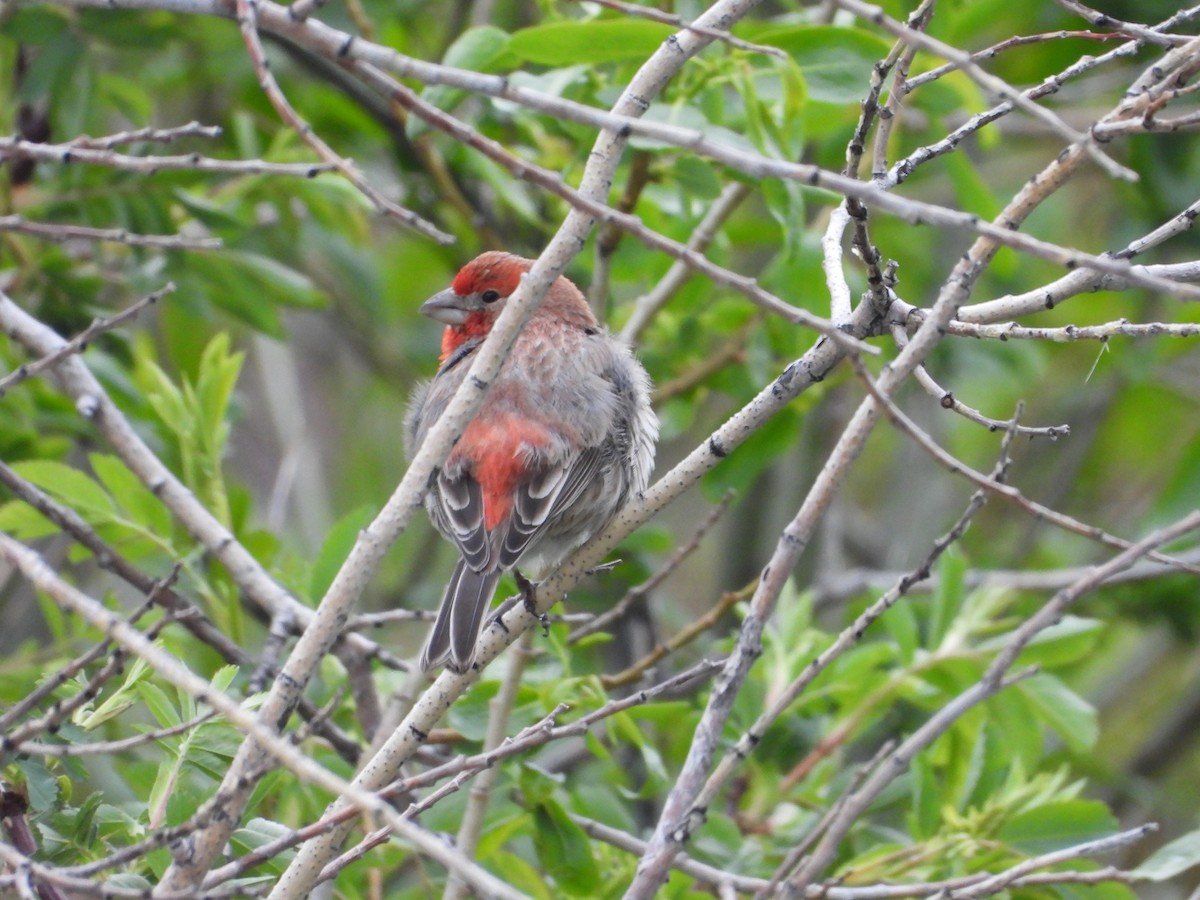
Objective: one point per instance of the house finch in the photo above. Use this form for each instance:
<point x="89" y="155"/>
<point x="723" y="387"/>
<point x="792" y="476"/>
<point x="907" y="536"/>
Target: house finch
<point x="563" y="438"/>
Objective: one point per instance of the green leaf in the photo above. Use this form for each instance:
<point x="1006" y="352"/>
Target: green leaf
<point x="992" y="763"/>
<point x="41" y="787"/>
<point x="900" y="622"/>
<point x="259" y="831"/>
<point x="836" y="62"/>
<point x="1023" y="735"/>
<point x="973" y="190"/>
<point x="24" y="522"/>
<point x="572" y="43"/>
<point x="166" y="782"/>
<point x="119" y="821"/>
<point x="35" y="25"/>
<point x="69" y="484"/>
<point x="1071" y="717"/>
<point x="537" y="785"/>
<point x="1067" y="641"/>
<point x="1059" y="824"/>
<point x="787" y="204"/>
<point x="127" y="881"/>
<point x="85" y="819"/>
<point x="500" y="831"/>
<point x="164" y="396"/>
<point x="483" y="49"/>
<point x="949" y="596"/>
<point x="696" y="177"/>
<point x="208" y="212"/>
<point x="477" y="48"/>
<point x="470" y="714"/>
<point x="280" y="282"/>
<point x="223" y="678"/>
<point x="563" y="849"/>
<point x="1175" y="858"/>
<point x="128" y="28"/>
<point x="121" y="699"/>
<point x="928" y="799"/>
<point x="520" y="874"/>
<point x="338" y="541"/>
<point x="159" y="704"/>
<point x="143" y="507"/>
<point x="219" y="370"/>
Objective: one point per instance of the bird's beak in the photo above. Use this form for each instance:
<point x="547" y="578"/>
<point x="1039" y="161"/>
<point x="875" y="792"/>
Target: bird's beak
<point x="446" y="306"/>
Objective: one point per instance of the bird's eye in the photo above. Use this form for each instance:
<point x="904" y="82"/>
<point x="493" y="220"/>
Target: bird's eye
<point x="490" y="296"/>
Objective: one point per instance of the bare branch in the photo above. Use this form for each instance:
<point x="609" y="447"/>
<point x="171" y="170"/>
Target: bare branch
<point x="17" y="148"/>
<point x="58" y="232"/>
<point x="947" y="400"/>
<point x="655" y="15"/>
<point x="79" y="343"/>
<point x="247" y="17"/>
<point x="1037" y="510"/>
<point x="993" y="680"/>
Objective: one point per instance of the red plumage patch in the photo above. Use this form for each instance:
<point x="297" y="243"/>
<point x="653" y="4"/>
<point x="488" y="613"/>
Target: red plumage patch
<point x="495" y="446"/>
<point x="490" y="271"/>
<point x="478" y="324"/>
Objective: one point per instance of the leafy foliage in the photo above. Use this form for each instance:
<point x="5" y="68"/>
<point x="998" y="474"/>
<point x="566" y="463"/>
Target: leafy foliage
<point x="272" y="384"/>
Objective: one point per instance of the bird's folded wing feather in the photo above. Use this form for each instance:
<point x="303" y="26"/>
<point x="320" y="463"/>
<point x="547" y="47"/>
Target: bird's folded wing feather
<point x="538" y="501"/>
<point x="535" y="502"/>
<point x="460" y="503"/>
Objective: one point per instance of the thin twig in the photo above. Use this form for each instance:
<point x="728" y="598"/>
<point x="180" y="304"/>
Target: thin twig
<point x="993" y="680"/>
<point x="460" y="771"/>
<point x="646" y="307"/>
<point x="58" y="233"/>
<point x="1019" y="40"/>
<point x="593" y="207"/>
<point x="849" y="636"/>
<point x="640" y="591"/>
<point x="990" y="83"/>
<point x="100" y="748"/>
<point x="499" y="710"/>
<point x="1037" y="510"/>
<point x="682" y="638"/>
<point x="79" y="343"/>
<point x="656" y="15"/>
<point x="58" y="713"/>
<point x="797" y="852"/>
<point x="1007" y="331"/>
<point x="191" y="129"/>
<point x="1141" y="32"/>
<point x="18" y="148"/>
<point x="41" y="575"/>
<point x="247" y="17"/>
<point x="947" y="400"/>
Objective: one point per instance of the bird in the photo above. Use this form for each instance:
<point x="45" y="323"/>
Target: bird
<point x="564" y="438"/>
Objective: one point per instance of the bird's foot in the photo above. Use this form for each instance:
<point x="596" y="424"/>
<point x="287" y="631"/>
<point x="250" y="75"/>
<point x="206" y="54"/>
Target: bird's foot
<point x="529" y="597"/>
<point x="605" y="568"/>
<point x="497" y="618"/>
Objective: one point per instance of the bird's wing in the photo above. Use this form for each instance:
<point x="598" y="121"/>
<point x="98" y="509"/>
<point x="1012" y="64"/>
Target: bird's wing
<point x="459" y="506"/>
<point x="538" y="500"/>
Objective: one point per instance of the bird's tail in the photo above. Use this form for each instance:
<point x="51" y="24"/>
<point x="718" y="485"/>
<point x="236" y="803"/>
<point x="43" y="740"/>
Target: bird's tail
<point x="468" y="595"/>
